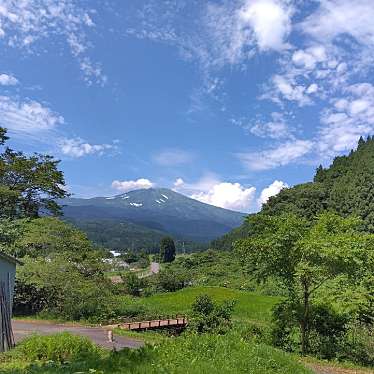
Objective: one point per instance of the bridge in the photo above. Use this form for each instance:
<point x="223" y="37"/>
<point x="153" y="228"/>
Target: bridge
<point x="178" y="322"/>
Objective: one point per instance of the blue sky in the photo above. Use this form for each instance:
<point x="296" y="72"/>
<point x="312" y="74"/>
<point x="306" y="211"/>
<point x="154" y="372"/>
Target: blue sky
<point x="225" y="101"/>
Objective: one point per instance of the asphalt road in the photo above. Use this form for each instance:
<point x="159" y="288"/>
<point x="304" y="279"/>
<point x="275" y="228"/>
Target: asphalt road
<point x="98" y="335"/>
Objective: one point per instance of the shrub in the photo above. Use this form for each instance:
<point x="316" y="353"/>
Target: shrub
<point x="327" y="329"/>
<point x="57" y="286"/>
<point x="256" y="333"/>
<point x="59" y="348"/>
<point x="210" y="317"/>
<point x="133" y="284"/>
<point x="358" y="347"/>
<point x="169" y="280"/>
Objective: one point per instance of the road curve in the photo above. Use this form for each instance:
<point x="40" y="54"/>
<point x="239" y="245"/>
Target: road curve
<point x="98" y="335"/>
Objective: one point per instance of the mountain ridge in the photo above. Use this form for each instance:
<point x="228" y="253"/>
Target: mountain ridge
<point x="159" y="209"/>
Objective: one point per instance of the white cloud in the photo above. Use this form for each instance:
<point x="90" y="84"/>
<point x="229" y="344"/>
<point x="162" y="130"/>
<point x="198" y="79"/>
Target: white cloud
<point x="179" y="182"/>
<point x="270" y="191"/>
<point x="338" y="17"/>
<point x="277" y="128"/>
<point x="126" y="186"/>
<point x="77" y="147"/>
<point x="173" y="157"/>
<point x="8" y="80"/>
<point x="349" y="117"/>
<point x="225" y="33"/>
<point x="228" y="195"/>
<point x="288" y="88"/>
<point x="282" y="155"/>
<point x="23" y="23"/>
<point x="309" y="57"/>
<point x="26" y="118"/>
<point x="210" y="190"/>
<point x="270" y="21"/>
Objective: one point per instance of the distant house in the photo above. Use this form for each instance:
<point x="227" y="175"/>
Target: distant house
<point x="7" y="279"/>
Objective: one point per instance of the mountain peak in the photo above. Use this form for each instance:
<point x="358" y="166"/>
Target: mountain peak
<point x="157" y="208"/>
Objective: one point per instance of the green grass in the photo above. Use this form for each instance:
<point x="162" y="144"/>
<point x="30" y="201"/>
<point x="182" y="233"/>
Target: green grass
<point x="250" y="307"/>
<point x="190" y="354"/>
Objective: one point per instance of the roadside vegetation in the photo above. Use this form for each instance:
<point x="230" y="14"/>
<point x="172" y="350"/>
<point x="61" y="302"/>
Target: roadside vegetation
<point x="193" y="354"/>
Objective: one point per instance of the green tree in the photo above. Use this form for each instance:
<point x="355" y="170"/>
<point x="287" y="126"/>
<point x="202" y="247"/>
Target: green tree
<point x="170" y="280"/>
<point x="28" y="185"/>
<point x="306" y="256"/>
<point x="59" y="287"/>
<point x="167" y="249"/>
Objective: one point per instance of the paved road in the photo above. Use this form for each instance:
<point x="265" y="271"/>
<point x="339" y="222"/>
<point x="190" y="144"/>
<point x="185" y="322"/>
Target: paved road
<point x="98" y="335"/>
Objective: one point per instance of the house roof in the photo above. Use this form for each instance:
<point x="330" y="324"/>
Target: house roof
<point x="9" y="258"/>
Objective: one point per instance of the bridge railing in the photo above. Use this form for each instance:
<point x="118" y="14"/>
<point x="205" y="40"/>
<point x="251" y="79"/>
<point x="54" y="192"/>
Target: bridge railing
<point x="177" y="321"/>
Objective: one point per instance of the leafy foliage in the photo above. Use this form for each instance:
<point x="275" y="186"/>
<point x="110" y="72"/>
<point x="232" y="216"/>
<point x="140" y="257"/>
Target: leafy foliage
<point x="60" y="348"/>
<point x="208" y="316"/>
<point x="168" y="280"/>
<point x="28" y="185"/>
<point x="305" y="257"/>
<point x="133" y="284"/>
<point x="58" y="287"/>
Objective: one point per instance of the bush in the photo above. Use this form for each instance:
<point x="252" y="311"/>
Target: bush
<point x="57" y="287"/>
<point x="169" y="281"/>
<point x="256" y="334"/>
<point x="59" y="348"/>
<point x="327" y="329"/>
<point x="210" y="317"/>
<point x="133" y="284"/>
<point x="359" y="344"/>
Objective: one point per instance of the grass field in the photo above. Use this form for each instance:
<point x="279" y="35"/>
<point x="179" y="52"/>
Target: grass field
<point x="250" y="307"/>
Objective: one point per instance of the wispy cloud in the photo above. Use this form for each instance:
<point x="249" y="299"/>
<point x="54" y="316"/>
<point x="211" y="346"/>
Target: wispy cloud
<point x="281" y="155"/>
<point x="23" y="23"/>
<point x="349" y="117"/>
<point x="77" y="147"/>
<point x="276" y="128"/>
<point x="225" y="33"/>
<point x="26" y="118"/>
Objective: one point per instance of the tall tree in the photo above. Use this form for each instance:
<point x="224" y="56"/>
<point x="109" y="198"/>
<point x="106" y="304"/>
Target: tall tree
<point x="307" y="256"/>
<point x="167" y="249"/>
<point x="29" y="185"/>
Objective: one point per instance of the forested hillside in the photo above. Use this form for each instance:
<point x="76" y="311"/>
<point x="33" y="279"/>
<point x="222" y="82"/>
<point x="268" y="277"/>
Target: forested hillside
<point x="346" y="187"/>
